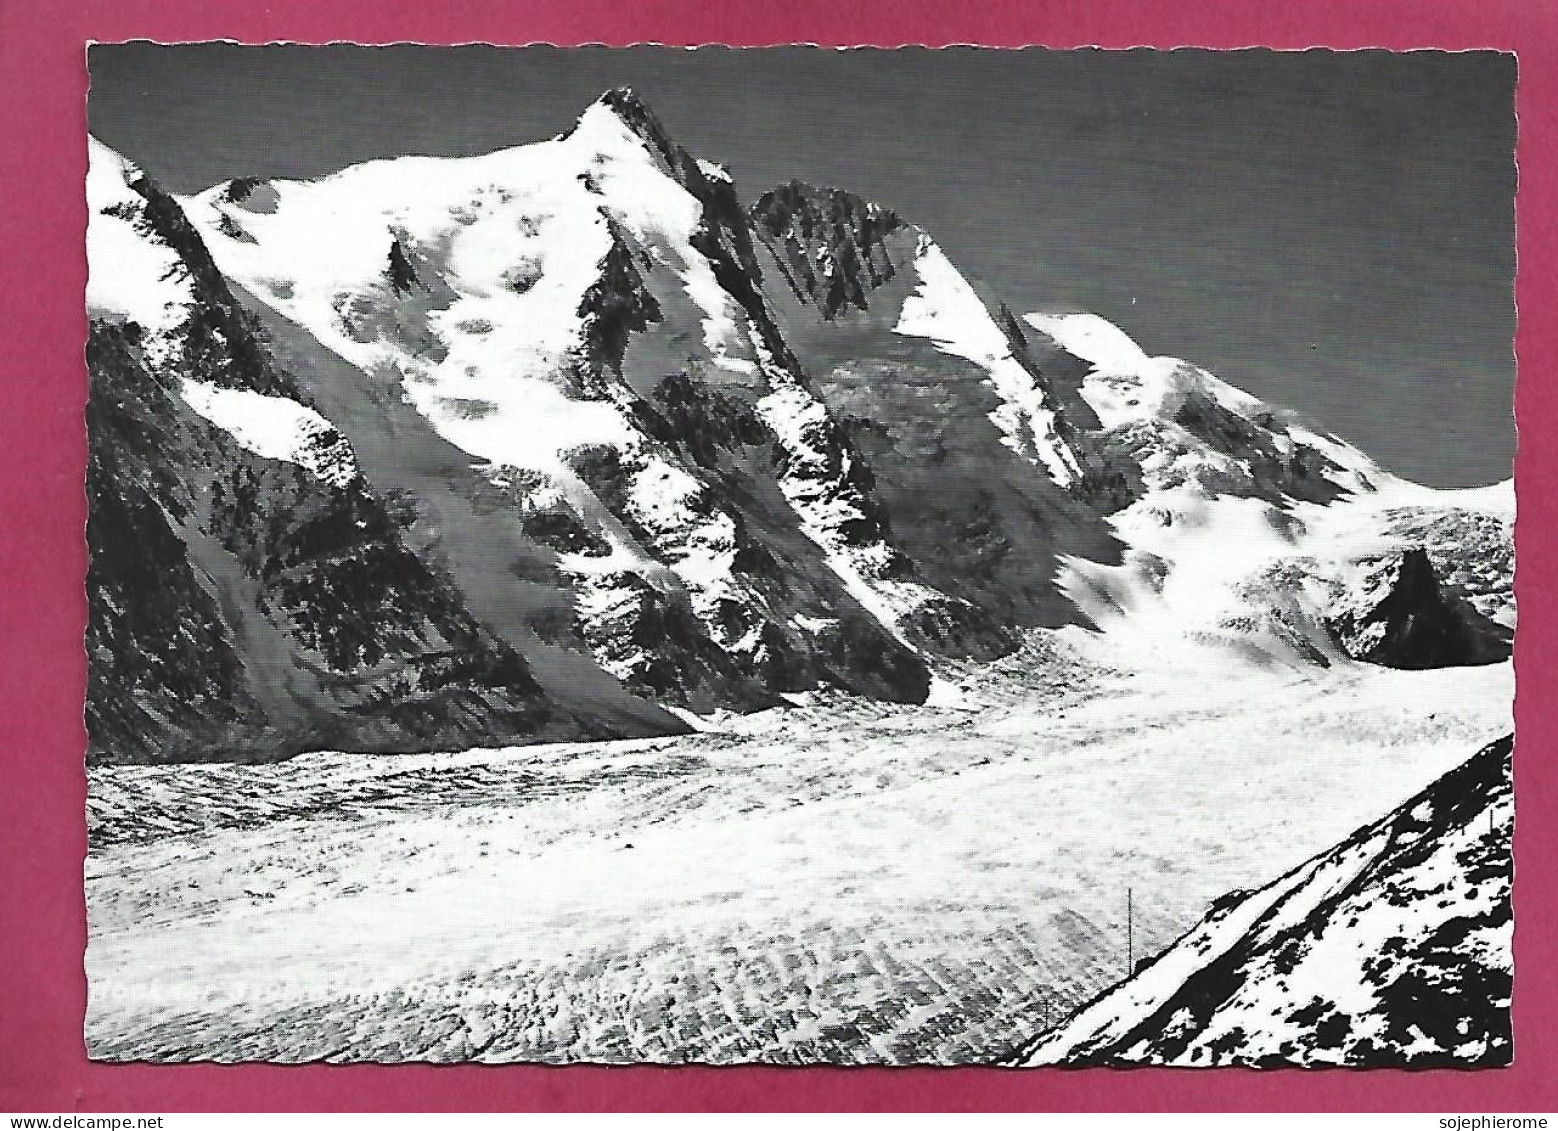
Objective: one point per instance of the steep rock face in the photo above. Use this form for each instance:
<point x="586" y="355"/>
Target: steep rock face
<point x="1393" y="611"/>
<point x="978" y="455"/>
<point x="250" y="595"/>
<point x="1390" y="950"/>
<point x="162" y="665"/>
<point x="829" y="245"/>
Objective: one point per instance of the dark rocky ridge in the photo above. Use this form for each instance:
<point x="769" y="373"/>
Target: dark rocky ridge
<point x="241" y="607"/>
<point x="613" y="308"/>
<point x="707" y="420"/>
<point x="1439" y="990"/>
<point x="829" y="244"/>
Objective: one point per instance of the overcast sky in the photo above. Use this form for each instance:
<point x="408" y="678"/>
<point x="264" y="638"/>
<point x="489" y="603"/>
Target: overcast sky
<point x="1334" y="232"/>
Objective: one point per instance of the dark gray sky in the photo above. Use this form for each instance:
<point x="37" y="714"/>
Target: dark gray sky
<point x="1333" y="231"/>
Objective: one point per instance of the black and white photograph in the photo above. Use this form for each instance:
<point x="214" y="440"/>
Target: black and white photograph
<point x="798" y="556"/>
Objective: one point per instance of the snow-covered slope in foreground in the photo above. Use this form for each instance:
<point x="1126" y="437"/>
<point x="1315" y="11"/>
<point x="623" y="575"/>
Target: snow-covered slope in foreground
<point x="1391" y="949"/>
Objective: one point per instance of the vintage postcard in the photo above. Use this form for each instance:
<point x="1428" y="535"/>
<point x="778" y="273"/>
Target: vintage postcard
<point x="800" y="557"/>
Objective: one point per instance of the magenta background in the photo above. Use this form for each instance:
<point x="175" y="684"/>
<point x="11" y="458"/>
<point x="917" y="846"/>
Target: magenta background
<point x="43" y="82"/>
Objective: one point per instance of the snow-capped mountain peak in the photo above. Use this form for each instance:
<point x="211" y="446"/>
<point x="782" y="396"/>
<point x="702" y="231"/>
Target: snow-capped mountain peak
<point x="585" y="316"/>
<point x="621" y="109"/>
<point x="793" y="444"/>
<point x="1128" y="387"/>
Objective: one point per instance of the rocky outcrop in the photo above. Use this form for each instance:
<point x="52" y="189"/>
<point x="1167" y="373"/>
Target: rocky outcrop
<point x="1392" y="610"/>
<point x="244" y="608"/>
<point x="251" y="193"/>
<point x="1273" y="467"/>
<point x="250" y="595"/>
<point x="1391" y="950"/>
<point x="1471" y="550"/>
<point x="612" y="309"/>
<point x="829" y="244"/>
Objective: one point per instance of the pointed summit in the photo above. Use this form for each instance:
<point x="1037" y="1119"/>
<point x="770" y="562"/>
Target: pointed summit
<point x="625" y="105"/>
<point x="627" y="102"/>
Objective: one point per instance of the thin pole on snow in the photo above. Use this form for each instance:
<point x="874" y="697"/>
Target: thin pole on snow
<point x="1130" y="936"/>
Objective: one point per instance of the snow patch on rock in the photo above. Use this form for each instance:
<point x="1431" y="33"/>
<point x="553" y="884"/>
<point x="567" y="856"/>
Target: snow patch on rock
<point x="276" y="428"/>
<point x="132" y="275"/>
